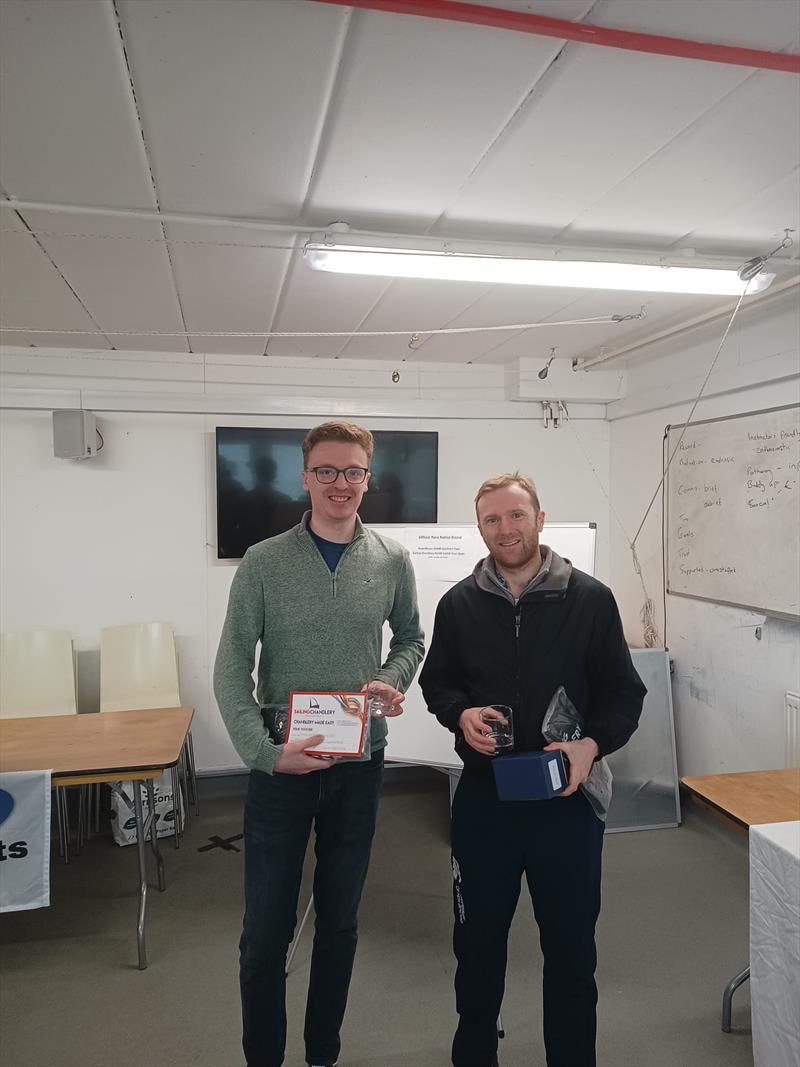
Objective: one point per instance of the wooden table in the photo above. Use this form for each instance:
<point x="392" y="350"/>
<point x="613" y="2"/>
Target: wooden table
<point x="747" y="798"/>
<point x="109" y="746"/>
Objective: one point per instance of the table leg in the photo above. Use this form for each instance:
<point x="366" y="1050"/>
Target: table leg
<point x="140" y="849"/>
<point x="727" y="997"/>
<point x="151" y="801"/>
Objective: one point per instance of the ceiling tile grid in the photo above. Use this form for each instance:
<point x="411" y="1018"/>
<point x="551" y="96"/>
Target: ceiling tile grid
<point x="292" y="110"/>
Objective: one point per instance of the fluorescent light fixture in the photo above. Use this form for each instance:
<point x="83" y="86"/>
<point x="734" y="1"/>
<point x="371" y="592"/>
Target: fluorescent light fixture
<point x="457" y="266"/>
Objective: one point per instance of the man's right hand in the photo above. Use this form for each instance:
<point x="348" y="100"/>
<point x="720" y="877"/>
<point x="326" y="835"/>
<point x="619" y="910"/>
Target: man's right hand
<point x="296" y="759"/>
<point x="475" y="730"/>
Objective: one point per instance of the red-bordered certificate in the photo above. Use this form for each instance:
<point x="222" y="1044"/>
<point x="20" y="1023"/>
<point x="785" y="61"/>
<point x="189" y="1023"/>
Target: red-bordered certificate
<point x="340" y="717"/>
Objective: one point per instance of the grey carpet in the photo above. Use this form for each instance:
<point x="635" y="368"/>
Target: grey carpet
<point x="672" y="932"/>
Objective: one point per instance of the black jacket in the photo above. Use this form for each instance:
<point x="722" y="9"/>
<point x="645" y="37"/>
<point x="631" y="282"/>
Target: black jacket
<point x="565" y="630"/>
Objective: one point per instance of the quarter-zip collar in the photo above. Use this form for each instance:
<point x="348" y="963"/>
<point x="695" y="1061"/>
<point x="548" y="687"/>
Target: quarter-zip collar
<point x="302" y="534"/>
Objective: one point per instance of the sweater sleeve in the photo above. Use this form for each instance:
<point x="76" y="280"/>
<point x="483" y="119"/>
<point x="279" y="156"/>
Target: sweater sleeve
<point x="617" y="691"/>
<point x="233" y="670"/>
<point x="407" y="644"/>
<point x="441" y="675"/>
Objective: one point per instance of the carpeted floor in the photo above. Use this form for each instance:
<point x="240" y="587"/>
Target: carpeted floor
<point x="673" y="931"/>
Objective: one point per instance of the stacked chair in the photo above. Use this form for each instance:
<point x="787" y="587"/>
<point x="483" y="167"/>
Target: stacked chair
<point x="139" y="671"/>
<point x="37" y="677"/>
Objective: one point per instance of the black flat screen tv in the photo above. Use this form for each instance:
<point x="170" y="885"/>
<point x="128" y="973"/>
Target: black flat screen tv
<point x="260" y="492"/>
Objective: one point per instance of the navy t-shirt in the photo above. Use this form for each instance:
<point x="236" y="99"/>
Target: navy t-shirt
<point x="331" y="551"/>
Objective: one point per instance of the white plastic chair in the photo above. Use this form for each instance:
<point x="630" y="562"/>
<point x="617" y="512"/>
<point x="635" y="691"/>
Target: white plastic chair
<point x="37" y="678"/>
<point x="37" y="674"/>
<point x="139" y="671"/>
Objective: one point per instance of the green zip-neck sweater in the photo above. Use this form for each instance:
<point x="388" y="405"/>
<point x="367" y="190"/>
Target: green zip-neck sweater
<point x="317" y="630"/>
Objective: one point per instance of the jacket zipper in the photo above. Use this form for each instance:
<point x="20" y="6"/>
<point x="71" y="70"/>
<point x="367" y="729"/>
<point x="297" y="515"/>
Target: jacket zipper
<point x="517" y="622"/>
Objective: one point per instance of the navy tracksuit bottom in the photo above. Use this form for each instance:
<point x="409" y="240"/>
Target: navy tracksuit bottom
<point x="557" y="844"/>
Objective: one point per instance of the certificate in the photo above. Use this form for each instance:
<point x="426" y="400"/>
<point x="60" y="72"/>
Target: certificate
<point x="340" y="717"/>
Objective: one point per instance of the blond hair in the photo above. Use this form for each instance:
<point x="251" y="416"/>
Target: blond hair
<point x="338" y="430"/>
<point x="503" y="481"/>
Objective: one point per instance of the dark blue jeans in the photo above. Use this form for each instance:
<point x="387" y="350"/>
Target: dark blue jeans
<point x="342" y="804"/>
<point x="557" y="844"/>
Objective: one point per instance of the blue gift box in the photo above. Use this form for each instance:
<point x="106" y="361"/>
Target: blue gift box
<point x="530" y="775"/>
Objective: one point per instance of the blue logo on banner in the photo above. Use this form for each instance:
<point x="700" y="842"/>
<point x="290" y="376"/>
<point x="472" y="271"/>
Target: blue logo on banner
<point x="6" y="805"/>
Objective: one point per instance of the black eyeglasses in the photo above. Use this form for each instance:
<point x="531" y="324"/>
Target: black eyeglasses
<point x="328" y="475"/>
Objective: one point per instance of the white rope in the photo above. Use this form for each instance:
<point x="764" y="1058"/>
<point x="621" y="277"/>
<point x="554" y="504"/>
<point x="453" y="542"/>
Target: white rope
<point x="150" y="240"/>
<point x="647" y="613"/>
<point x="691" y="413"/>
<point x="611" y="319"/>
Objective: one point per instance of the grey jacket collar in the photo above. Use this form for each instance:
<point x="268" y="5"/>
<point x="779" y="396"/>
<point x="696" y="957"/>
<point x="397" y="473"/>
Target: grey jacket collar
<point x="552" y="577"/>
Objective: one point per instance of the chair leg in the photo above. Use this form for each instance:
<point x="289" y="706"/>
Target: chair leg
<point x="183" y="779"/>
<point x="62" y="795"/>
<point x="176" y="805"/>
<point x="60" y="817"/>
<point x="81" y="807"/>
<point x="193" y="772"/>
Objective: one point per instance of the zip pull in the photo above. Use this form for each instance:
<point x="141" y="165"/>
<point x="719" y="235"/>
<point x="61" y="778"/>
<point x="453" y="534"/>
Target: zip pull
<point x="517" y="621"/>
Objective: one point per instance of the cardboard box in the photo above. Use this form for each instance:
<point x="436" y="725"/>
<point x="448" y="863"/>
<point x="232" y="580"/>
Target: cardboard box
<point x="530" y="775"/>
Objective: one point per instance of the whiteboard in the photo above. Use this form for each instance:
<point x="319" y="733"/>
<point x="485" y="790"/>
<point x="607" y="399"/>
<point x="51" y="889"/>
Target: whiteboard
<point x="442" y="556"/>
<point x="732" y="511"/>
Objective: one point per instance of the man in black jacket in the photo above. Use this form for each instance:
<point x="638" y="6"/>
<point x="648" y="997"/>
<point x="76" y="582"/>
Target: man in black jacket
<point x="522" y="624"/>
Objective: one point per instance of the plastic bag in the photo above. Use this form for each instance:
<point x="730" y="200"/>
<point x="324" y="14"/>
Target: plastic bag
<point x="123" y="818"/>
<point x="563" y="722"/>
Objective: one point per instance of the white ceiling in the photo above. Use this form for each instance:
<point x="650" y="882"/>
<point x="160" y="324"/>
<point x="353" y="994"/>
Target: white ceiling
<point x="294" y="111"/>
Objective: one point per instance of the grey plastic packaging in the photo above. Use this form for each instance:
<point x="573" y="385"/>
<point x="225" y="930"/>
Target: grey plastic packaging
<point x="563" y="722"/>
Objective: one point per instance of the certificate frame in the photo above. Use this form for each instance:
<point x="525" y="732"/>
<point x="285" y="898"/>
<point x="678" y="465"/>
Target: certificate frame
<point x="359" y="698"/>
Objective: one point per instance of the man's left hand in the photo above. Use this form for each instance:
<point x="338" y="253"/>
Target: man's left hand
<point x="580" y="756"/>
<point x="394" y="697"/>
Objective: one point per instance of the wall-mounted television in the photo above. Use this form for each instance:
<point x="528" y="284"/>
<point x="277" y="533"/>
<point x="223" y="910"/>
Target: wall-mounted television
<point x="260" y="492"/>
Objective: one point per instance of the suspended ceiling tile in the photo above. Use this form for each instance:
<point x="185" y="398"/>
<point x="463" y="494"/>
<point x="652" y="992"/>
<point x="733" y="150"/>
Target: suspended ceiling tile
<point x="33" y="294"/>
<point x="771" y="26"/>
<point x="412" y="305"/>
<point x="601" y="115"/>
<point x="731" y="154"/>
<point x="228" y="279"/>
<point x="232" y="97"/>
<point x="318" y="301"/>
<point x="501" y="305"/>
<point x="661" y="309"/>
<point x="418" y="103"/>
<point x="757" y="220"/>
<point x="120" y="271"/>
<point x="68" y="124"/>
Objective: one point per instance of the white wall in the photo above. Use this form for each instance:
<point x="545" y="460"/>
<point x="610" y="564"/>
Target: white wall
<point x="130" y="535"/>
<point x="728" y="687"/>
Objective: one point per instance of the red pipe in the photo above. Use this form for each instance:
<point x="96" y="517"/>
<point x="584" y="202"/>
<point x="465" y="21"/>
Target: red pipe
<point x="523" y="22"/>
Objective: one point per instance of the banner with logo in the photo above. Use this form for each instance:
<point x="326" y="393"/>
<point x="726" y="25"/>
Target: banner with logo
<point x="24" y="840"/>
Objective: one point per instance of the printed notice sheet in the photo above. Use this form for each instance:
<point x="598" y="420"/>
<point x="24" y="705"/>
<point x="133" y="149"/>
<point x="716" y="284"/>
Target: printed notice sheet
<point x="444" y="553"/>
<point x="340" y="717"/>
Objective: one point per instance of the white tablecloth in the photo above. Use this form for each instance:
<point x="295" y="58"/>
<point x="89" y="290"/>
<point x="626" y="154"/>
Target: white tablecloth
<point x="775" y="943"/>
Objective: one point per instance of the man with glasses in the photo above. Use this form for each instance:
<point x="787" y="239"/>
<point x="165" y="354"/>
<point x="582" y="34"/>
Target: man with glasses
<point x="316" y="597"/>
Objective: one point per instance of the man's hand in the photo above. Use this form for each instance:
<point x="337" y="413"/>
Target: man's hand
<point x="476" y="733"/>
<point x="394" y="698"/>
<point x="580" y="756"/>
<point x="295" y="758"/>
